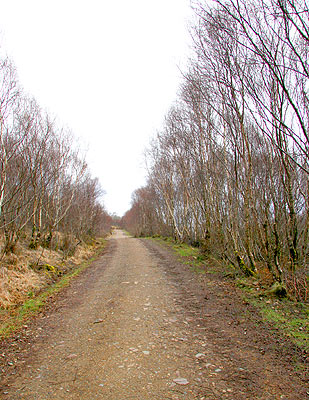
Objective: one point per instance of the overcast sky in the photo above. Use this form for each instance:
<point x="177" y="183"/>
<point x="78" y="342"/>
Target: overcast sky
<point x="107" y="69"/>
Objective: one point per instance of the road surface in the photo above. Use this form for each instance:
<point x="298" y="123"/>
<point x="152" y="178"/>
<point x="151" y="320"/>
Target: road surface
<point x="128" y="329"/>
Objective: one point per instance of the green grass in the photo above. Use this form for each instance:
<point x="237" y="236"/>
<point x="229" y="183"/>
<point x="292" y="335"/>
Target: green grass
<point x="288" y="317"/>
<point x="34" y="305"/>
<point x="294" y="326"/>
<point x="285" y="315"/>
<point x="189" y="255"/>
<point x="194" y="258"/>
<point x="185" y="250"/>
<point x="198" y="270"/>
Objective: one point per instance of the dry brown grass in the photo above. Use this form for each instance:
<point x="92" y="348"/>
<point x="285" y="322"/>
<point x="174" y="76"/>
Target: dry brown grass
<point x="28" y="271"/>
<point x="16" y="283"/>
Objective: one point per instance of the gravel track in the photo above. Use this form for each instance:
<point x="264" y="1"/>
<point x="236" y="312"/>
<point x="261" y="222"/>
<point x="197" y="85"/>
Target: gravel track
<point x="132" y="327"/>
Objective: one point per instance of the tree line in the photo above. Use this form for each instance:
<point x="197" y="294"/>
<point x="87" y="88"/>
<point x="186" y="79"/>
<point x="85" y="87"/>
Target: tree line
<point x="45" y="184"/>
<point x="229" y="170"/>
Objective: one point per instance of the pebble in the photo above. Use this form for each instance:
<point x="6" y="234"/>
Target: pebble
<point x="181" y="381"/>
<point x="98" y="321"/>
<point x="71" y="356"/>
<point x="133" y="349"/>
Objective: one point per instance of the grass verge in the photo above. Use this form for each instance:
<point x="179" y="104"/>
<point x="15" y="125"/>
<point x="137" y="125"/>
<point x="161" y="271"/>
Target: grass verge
<point x="288" y="317"/>
<point x="33" y="306"/>
<point x="189" y="255"/>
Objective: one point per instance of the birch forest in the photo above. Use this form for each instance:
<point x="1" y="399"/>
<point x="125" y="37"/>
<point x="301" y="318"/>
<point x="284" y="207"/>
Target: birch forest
<point x="45" y="185"/>
<point x="229" y="170"/>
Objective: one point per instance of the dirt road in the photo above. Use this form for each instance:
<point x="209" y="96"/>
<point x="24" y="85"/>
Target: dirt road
<point x="132" y="327"/>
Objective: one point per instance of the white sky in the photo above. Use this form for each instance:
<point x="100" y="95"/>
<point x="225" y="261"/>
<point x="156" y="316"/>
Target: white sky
<point x="107" y="69"/>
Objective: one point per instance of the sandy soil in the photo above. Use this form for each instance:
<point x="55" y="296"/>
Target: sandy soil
<point x="137" y="325"/>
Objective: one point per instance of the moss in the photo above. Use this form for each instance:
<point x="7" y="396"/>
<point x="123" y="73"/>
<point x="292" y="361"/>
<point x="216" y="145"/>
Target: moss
<point x="278" y="290"/>
<point x="243" y="267"/>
